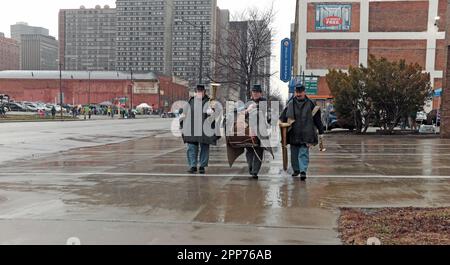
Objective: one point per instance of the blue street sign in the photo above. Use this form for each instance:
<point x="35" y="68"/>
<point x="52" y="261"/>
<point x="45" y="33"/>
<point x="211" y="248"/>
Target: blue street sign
<point x="286" y="60"/>
<point x="438" y="92"/>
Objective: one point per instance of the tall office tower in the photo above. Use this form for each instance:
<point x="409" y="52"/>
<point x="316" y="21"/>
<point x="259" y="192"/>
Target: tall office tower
<point x="88" y="38"/>
<point x="21" y="28"/>
<point x="38" y="52"/>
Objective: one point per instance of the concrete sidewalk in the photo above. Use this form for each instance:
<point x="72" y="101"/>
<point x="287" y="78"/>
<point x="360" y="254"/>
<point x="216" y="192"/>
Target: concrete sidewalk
<point x="138" y="192"/>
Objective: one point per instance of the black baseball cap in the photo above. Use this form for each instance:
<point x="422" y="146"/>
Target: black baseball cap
<point x="257" y="88"/>
<point x="300" y="88"/>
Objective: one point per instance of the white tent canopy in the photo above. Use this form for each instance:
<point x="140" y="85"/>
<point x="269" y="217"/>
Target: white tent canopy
<point x="144" y="106"/>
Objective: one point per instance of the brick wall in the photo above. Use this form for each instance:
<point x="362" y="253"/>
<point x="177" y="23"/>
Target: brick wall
<point x="398" y="16"/>
<point x="413" y="51"/>
<point x="76" y="91"/>
<point x="9" y="54"/>
<point x="326" y="54"/>
<point x="445" y="101"/>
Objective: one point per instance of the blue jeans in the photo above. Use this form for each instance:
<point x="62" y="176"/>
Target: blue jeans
<point x="192" y="155"/>
<point x="300" y="158"/>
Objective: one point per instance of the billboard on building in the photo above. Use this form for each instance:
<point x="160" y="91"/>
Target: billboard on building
<point x="333" y="17"/>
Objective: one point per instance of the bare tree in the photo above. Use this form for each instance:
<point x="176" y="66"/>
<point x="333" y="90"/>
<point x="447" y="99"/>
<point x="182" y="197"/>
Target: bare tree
<point x="242" y="51"/>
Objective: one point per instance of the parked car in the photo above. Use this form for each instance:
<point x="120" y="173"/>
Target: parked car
<point x="168" y="115"/>
<point x="31" y="106"/>
<point x="57" y="107"/>
<point x="14" y="106"/>
<point x="43" y="107"/>
<point x="421" y="117"/>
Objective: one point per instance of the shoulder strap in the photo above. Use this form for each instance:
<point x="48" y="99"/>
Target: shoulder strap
<point x="315" y="110"/>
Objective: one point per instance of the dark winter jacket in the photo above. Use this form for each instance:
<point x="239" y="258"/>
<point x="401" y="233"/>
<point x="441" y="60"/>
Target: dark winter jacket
<point x="189" y="122"/>
<point x="306" y="126"/>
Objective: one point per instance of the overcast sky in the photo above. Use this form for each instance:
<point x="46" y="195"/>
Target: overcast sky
<point x="44" y="13"/>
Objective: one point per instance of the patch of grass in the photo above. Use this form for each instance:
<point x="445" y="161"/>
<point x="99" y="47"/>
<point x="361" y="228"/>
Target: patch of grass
<point x="10" y="118"/>
<point x="395" y="226"/>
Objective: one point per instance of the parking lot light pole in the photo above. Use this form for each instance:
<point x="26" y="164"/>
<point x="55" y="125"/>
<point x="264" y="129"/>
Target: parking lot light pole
<point x="131" y="92"/>
<point x="60" y="90"/>
<point x="89" y="90"/>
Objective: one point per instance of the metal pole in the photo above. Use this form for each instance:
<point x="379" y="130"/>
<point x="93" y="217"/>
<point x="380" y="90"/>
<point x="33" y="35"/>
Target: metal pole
<point x="159" y="99"/>
<point x="202" y="31"/>
<point x="131" y="99"/>
<point x="60" y="90"/>
<point x="89" y="92"/>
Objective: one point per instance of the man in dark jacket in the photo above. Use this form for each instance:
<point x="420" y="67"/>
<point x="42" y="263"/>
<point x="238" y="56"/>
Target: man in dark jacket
<point x="304" y="120"/>
<point x="255" y="155"/>
<point x="194" y="116"/>
<point x="53" y="112"/>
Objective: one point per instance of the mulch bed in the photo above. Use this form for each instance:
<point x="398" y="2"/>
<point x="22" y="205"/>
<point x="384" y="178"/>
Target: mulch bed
<point x="395" y="226"/>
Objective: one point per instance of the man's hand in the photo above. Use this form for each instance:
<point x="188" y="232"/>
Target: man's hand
<point x="284" y="125"/>
<point x="251" y="108"/>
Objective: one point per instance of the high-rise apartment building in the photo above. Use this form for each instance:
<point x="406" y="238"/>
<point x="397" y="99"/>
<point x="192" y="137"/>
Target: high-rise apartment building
<point x="193" y="20"/>
<point x="144" y="35"/>
<point x="88" y="38"/>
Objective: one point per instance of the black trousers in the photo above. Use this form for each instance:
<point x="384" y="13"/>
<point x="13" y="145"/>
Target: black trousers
<point x="253" y="159"/>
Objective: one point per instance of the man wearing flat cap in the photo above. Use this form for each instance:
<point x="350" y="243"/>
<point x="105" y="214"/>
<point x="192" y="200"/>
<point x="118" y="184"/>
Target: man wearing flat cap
<point x="194" y="116"/>
<point x="303" y="119"/>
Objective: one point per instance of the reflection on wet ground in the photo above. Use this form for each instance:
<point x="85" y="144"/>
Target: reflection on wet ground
<point x="138" y="192"/>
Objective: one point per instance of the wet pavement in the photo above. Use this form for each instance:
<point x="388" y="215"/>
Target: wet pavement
<point x="138" y="192"/>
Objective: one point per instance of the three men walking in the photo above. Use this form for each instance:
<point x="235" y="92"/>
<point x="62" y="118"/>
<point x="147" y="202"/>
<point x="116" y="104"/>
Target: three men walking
<point x="301" y="116"/>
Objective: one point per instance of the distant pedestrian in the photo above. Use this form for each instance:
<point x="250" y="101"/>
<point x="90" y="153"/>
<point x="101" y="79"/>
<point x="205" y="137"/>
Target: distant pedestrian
<point x="53" y="112"/>
<point x="86" y="111"/>
<point x="2" y="111"/>
<point x="413" y="121"/>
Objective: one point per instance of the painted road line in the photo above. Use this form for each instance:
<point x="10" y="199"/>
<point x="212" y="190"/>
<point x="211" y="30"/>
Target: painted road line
<point x="274" y="176"/>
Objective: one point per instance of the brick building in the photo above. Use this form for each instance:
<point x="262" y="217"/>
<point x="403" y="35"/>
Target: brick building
<point x="94" y="87"/>
<point x="9" y="54"/>
<point x="337" y="34"/>
<point x="445" y="108"/>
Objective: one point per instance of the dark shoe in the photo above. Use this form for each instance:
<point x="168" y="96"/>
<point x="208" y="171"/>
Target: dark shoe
<point x="202" y="170"/>
<point x="296" y="174"/>
<point x="303" y="176"/>
<point x="255" y="176"/>
<point x="192" y="170"/>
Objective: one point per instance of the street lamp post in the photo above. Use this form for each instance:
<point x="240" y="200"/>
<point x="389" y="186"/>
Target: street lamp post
<point x="89" y="90"/>
<point x="60" y="90"/>
<point x="131" y="93"/>
<point x="202" y="33"/>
